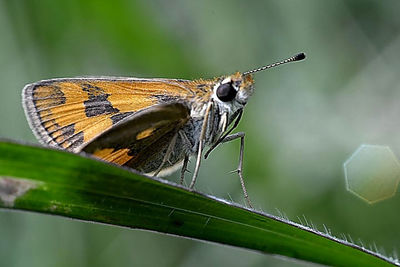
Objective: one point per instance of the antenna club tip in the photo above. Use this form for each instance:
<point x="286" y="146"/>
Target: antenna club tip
<point x="299" y="56"/>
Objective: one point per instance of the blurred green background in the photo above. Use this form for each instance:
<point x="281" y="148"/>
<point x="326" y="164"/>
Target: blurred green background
<point x="303" y="122"/>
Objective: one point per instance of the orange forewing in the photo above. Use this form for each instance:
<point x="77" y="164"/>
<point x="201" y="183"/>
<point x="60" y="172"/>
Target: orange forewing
<point x="69" y="113"/>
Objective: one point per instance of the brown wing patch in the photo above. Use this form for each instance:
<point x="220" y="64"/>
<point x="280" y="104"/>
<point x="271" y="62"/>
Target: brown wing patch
<point x="71" y="112"/>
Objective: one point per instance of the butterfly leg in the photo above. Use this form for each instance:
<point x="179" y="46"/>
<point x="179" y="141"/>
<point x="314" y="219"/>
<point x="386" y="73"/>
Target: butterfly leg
<point x="239" y="169"/>
<point x="184" y="168"/>
<point x="201" y="143"/>
<point x="167" y="154"/>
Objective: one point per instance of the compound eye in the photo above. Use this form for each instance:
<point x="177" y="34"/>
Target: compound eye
<point x="226" y="92"/>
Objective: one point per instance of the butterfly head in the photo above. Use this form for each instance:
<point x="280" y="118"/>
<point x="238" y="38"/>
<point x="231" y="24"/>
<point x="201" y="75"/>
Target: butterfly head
<point x="234" y="89"/>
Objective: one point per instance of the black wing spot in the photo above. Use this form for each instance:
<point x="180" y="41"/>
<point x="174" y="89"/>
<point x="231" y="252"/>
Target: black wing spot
<point x="120" y="116"/>
<point x="76" y="140"/>
<point x="165" y="99"/>
<point x="97" y="104"/>
<point x="69" y="136"/>
<point x="73" y="139"/>
<point x="56" y="95"/>
<point x="69" y="130"/>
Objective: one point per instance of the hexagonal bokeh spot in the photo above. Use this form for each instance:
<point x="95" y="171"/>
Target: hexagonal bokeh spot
<point x="372" y="173"/>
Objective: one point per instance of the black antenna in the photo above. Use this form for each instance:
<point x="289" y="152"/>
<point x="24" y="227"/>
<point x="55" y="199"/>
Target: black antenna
<point x="297" y="57"/>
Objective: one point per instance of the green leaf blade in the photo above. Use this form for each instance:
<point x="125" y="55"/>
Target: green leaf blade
<point x="60" y="183"/>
